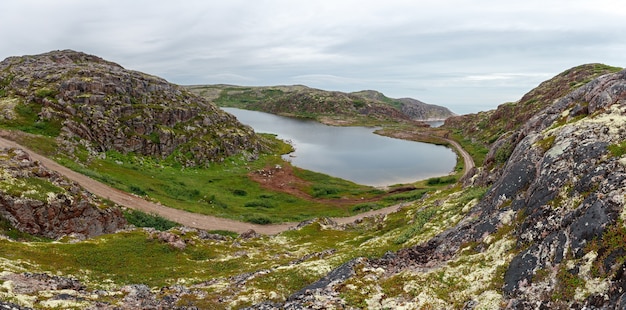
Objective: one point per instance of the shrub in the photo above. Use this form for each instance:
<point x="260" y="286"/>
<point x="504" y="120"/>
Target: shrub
<point x="321" y="191"/>
<point x="441" y="180"/>
<point x="365" y="207"/>
<point x="259" y="204"/>
<point x="141" y="219"/>
<point x="45" y="93"/>
<point x="240" y="192"/>
<point x="408" y="196"/>
<point x="503" y="153"/>
<point x="137" y="190"/>
<point x="258" y="219"/>
<point x="420" y="219"/>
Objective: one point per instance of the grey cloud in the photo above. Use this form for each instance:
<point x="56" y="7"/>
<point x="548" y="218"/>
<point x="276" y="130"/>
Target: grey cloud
<point x="466" y="55"/>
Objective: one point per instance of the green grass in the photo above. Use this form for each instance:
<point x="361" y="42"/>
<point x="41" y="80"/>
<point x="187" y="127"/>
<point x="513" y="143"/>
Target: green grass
<point x="223" y="189"/>
<point x="31" y="187"/>
<point x="477" y="150"/>
<point x="325" y="186"/>
<point x="617" y="150"/>
<point x="127" y="257"/>
<point x="27" y="120"/>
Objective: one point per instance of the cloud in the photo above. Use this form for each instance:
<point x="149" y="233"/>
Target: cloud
<point x="464" y="54"/>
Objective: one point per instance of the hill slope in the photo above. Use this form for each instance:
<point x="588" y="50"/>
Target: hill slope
<point x="90" y="102"/>
<point x="547" y="234"/>
<point x="542" y="229"/>
<point x="330" y="107"/>
<point x="484" y="128"/>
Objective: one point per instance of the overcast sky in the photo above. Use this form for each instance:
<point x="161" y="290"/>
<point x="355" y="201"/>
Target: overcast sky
<point x="467" y="55"/>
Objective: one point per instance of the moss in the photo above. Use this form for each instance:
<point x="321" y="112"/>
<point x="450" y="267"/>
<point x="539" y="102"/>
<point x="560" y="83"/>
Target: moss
<point x="546" y="143"/>
<point x="420" y="219"/>
<point x="567" y="284"/>
<point x="618" y="149"/>
<point x="46" y="93"/>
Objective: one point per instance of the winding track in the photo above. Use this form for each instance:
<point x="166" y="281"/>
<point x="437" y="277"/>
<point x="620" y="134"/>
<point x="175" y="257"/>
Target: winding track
<point x="196" y="220"/>
<point x="467" y="158"/>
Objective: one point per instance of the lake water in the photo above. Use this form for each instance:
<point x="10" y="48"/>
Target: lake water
<point x="352" y="153"/>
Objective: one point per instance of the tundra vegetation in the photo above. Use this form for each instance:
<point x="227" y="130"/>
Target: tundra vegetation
<point x="504" y="237"/>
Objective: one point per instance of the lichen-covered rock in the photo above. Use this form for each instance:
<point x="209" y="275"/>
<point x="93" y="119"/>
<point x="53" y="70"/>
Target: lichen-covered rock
<point x="557" y="205"/>
<point x="106" y="107"/>
<point x="39" y="201"/>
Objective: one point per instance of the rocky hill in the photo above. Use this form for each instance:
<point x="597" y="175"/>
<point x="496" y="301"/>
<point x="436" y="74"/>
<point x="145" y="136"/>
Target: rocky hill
<point x="330" y="107"/>
<point x="552" y="222"/>
<point x="487" y="126"/>
<point x="88" y="101"/>
<point x="413" y="108"/>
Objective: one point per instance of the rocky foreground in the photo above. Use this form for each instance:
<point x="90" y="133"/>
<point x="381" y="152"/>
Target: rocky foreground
<point x="554" y="214"/>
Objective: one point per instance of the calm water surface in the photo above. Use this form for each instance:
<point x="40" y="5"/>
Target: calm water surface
<point x="352" y="153"/>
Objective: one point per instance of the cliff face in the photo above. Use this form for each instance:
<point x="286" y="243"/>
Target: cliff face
<point x="39" y="201"/>
<point x="549" y="232"/>
<point x="106" y="107"/>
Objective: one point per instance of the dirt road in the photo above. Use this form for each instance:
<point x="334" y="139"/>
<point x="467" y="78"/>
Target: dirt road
<point x="467" y="159"/>
<point x="125" y="199"/>
<point x="196" y="220"/>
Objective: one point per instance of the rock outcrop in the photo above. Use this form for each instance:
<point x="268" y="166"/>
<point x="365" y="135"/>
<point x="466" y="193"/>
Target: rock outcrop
<point x="101" y="105"/>
<point x="554" y="213"/>
<point x="41" y="202"/>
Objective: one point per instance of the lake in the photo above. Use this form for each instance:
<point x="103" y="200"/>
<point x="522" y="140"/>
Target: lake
<point x="352" y="153"/>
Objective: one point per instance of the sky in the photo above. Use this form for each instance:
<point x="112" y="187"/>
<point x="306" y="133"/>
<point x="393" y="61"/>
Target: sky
<point x="466" y="55"/>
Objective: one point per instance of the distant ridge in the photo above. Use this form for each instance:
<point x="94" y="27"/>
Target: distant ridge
<point x="330" y="107"/>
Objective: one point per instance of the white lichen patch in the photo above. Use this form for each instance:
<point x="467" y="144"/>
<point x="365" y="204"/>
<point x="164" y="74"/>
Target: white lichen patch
<point x="462" y="279"/>
<point x="7" y="108"/>
<point x="15" y="266"/>
<point x="592" y="285"/>
<point x="64" y="304"/>
<point x="614" y="120"/>
<point x="489" y="300"/>
<point x="507" y="217"/>
<point x="318" y="267"/>
<point x="558" y="149"/>
<point x="7" y="294"/>
<point x="52" y="293"/>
